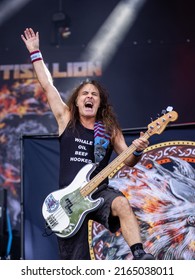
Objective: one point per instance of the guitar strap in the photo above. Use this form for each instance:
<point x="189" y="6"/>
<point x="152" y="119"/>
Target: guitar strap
<point x="101" y="141"/>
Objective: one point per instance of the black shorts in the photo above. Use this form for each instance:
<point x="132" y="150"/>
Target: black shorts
<point x="103" y="214"/>
<point x="77" y="247"/>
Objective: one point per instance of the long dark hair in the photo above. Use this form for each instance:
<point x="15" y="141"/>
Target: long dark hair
<point x="105" y="112"/>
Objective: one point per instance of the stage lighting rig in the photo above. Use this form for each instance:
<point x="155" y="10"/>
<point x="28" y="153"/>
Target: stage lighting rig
<point x="60" y="26"/>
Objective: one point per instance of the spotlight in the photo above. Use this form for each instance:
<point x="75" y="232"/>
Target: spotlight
<point x="65" y="32"/>
<point x="60" y="26"/>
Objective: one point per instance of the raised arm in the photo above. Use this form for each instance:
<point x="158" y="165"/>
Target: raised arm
<point x="58" y="107"/>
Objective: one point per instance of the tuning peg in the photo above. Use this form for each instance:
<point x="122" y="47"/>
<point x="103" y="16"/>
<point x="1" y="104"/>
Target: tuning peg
<point x="169" y="109"/>
<point x="163" y="112"/>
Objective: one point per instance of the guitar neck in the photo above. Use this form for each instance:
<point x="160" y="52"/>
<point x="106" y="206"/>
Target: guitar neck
<point x="92" y="184"/>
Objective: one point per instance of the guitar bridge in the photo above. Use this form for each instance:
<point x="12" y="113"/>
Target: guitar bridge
<point x="52" y="221"/>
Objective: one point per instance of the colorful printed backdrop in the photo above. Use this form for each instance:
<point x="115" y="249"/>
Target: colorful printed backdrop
<point x="161" y="190"/>
<point x="23" y="109"/>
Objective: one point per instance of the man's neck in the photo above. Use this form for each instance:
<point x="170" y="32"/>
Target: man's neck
<point x="88" y="122"/>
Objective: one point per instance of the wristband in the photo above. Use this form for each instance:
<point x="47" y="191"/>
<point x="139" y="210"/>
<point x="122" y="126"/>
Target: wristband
<point x="137" y="154"/>
<point x="35" y="56"/>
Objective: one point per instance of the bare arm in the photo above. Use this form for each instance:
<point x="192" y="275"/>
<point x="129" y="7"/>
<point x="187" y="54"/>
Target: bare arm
<point x="58" y="107"/>
<point x="120" y="145"/>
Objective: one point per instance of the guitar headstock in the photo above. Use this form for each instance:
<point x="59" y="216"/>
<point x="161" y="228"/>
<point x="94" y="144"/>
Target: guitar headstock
<point x="159" y="125"/>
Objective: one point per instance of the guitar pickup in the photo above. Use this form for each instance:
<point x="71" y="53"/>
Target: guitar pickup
<point x="67" y="204"/>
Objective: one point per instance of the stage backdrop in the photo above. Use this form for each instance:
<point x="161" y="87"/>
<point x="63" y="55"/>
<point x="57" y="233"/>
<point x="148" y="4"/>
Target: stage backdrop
<point x="153" y="67"/>
<point x="161" y="190"/>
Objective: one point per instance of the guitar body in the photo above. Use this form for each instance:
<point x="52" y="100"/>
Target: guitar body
<point x="64" y="210"/>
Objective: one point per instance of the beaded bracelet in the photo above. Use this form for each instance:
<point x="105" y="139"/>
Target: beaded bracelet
<point x="35" y="56"/>
<point x="137" y="154"/>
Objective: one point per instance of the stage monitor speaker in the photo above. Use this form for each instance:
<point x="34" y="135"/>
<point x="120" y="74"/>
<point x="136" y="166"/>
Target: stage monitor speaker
<point x="3" y="206"/>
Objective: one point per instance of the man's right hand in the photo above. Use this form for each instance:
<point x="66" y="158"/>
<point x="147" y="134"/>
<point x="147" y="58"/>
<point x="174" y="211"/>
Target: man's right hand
<point x="31" y="39"/>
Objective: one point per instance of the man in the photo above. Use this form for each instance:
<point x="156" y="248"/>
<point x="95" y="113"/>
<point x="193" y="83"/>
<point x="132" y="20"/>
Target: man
<point x="88" y="132"/>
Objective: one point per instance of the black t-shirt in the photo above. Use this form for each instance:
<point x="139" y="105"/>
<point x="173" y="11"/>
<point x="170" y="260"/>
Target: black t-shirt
<point x="77" y="150"/>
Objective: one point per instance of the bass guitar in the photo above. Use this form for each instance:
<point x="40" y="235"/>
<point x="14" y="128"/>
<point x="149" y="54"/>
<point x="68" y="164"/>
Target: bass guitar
<point x="65" y="209"/>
